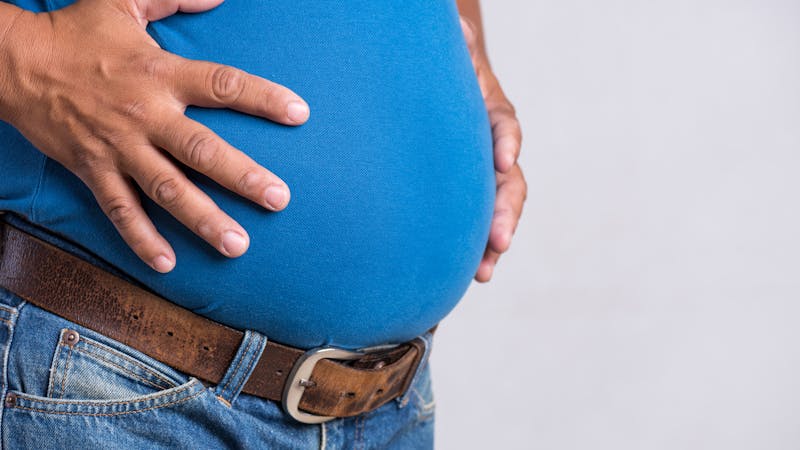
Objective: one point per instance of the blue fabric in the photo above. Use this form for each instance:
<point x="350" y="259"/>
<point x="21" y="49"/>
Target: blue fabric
<point x="392" y="177"/>
<point x="95" y="392"/>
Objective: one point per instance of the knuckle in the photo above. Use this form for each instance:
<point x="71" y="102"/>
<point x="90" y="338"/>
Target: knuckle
<point x="271" y="93"/>
<point x="166" y="190"/>
<point x="248" y="181"/>
<point x="227" y="83"/>
<point x="203" y="152"/>
<point x="205" y="227"/>
<point x="511" y="109"/>
<point x="121" y="211"/>
<point x="524" y="186"/>
<point x="153" y="66"/>
<point x="136" y="110"/>
<point x="88" y="164"/>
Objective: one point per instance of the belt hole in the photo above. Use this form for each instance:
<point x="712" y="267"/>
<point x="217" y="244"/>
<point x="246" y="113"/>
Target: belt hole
<point x="279" y="372"/>
<point x="380" y="391"/>
<point x="135" y="317"/>
<point x="350" y="395"/>
<point x="170" y="333"/>
<point x="205" y="347"/>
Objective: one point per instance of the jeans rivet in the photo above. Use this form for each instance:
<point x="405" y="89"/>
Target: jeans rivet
<point x="71" y="337"/>
<point x="11" y="399"/>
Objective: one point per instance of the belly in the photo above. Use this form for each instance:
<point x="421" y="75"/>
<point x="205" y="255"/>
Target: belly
<point x="392" y="178"/>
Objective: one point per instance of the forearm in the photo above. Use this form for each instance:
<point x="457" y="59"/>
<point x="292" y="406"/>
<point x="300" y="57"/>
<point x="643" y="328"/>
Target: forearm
<point x="471" y="10"/>
<point x="8" y="15"/>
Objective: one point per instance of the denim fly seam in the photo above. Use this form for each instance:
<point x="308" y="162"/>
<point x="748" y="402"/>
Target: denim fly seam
<point x="427" y="338"/>
<point x="242" y="366"/>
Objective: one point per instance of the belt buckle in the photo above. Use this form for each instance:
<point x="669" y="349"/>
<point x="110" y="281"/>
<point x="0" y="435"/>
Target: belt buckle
<point x="299" y="377"/>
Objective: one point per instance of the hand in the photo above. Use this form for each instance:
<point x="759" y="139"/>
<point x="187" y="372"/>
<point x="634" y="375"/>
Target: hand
<point x="512" y="190"/>
<point x="92" y="90"/>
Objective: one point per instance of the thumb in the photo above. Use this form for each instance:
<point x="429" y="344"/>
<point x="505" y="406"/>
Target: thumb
<point x="152" y="10"/>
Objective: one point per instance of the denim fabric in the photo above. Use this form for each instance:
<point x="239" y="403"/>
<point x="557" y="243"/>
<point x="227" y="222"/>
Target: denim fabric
<point x="66" y="386"/>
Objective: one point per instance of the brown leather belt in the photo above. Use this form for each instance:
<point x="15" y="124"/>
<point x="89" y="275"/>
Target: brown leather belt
<point x="311" y="386"/>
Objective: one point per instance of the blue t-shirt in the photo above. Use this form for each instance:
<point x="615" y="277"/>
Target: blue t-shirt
<point x="392" y="177"/>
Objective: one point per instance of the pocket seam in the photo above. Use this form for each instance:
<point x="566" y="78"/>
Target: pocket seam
<point x="36" y="400"/>
<point x="8" y="309"/>
<point x="128" y="372"/>
<point x="129" y="359"/>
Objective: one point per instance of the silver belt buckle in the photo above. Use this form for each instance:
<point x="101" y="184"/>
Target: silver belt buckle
<point x="299" y="379"/>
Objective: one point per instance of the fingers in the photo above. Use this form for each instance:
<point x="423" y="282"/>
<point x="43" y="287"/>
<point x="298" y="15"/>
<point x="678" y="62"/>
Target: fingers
<point x="470" y="35"/>
<point x="167" y="185"/>
<point x="120" y="202"/>
<point x="512" y="190"/>
<point x="213" y="85"/>
<point x="198" y="147"/>
<point x="153" y="10"/>
<point x="486" y="268"/>
<point x="507" y="136"/>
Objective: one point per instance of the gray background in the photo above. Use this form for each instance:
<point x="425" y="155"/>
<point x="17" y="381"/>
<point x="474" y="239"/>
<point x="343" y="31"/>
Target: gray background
<point x="650" y="298"/>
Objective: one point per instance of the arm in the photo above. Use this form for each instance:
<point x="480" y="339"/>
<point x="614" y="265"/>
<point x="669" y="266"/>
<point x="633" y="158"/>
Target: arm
<point x="8" y="15"/>
<point x="89" y="88"/>
<point x="507" y="136"/>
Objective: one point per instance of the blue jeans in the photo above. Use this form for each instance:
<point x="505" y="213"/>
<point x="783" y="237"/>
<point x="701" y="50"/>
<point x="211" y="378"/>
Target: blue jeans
<point x="65" y="386"/>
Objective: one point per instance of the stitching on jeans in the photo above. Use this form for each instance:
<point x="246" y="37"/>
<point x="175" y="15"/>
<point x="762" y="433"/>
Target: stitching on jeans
<point x="425" y="406"/>
<point x="7" y="322"/>
<point x="363" y="432"/>
<point x="246" y="373"/>
<point x="323" y="441"/>
<point x="223" y="401"/>
<point x="128" y="359"/>
<point x="355" y="437"/>
<point x="236" y="369"/>
<point x="132" y="361"/>
<point x="125" y="370"/>
<point x="189" y="385"/>
<point x="9" y="310"/>
<point x="358" y="441"/>
<point x="66" y="371"/>
<point x="69" y="413"/>
<point x="54" y="371"/>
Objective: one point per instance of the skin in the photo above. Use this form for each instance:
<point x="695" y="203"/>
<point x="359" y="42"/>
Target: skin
<point x="127" y="132"/>
<point x="111" y="137"/>
<point x="512" y="190"/>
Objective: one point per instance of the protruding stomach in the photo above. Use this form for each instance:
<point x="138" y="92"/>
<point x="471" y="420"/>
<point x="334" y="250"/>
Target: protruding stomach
<point x="392" y="178"/>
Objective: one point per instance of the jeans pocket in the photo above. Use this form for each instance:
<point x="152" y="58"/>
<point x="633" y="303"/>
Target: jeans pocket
<point x="86" y="369"/>
<point x="90" y="374"/>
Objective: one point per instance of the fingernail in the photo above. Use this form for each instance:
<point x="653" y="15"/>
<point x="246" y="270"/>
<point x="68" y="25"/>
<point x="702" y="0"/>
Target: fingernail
<point x="163" y="264"/>
<point x="297" y="112"/>
<point x="276" y="197"/>
<point x="233" y="243"/>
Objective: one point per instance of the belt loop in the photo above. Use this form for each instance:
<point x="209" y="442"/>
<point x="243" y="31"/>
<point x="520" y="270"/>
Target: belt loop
<point x="427" y="338"/>
<point x="241" y="367"/>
